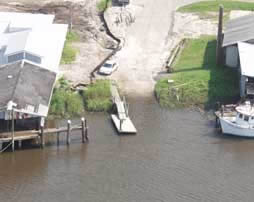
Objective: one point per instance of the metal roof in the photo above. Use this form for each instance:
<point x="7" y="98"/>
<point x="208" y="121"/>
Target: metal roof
<point x="27" y="85"/>
<point x="239" y="30"/>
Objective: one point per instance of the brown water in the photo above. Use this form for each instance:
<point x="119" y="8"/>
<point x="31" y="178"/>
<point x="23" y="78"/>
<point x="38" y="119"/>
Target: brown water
<point x="176" y="156"/>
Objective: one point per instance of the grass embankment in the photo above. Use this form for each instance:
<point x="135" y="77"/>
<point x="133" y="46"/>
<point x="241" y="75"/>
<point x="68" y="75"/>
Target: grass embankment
<point x="64" y="102"/>
<point x="197" y="79"/>
<point x="98" y="96"/>
<point x="205" y="8"/>
<point x="69" y="52"/>
<point x="102" y="5"/>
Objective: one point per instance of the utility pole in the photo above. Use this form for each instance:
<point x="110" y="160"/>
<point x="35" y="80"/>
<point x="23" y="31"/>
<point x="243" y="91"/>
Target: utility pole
<point x="219" y="50"/>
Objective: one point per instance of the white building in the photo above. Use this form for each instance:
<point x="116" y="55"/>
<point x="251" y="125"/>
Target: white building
<point x="31" y="47"/>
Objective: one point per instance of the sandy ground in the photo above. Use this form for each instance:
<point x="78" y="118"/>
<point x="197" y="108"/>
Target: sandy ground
<point x="148" y="43"/>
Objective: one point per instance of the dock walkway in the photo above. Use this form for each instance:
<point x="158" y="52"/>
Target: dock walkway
<point x="19" y="136"/>
<point x="122" y="120"/>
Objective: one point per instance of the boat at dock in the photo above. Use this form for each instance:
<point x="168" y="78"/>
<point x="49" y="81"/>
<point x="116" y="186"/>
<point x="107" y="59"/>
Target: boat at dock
<point x="236" y="119"/>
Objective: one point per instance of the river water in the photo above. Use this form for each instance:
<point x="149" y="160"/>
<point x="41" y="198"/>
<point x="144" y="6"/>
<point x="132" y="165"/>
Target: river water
<point x="176" y="156"/>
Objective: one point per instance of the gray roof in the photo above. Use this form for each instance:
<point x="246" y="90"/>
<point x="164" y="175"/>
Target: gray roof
<point x="29" y="85"/>
<point x="239" y="30"/>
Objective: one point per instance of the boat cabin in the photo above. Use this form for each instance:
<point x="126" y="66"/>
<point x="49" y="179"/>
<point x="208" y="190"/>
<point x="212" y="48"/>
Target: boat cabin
<point x="245" y="114"/>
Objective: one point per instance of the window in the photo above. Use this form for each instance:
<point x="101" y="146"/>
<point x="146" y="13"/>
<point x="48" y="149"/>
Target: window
<point x="33" y="58"/>
<point x="246" y="118"/>
<point x="15" y="57"/>
<point x="240" y="116"/>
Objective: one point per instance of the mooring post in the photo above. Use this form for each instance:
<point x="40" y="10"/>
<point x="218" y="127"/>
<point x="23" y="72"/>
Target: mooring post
<point x="68" y="138"/>
<point x="42" y="133"/>
<point x="42" y="137"/>
<point x="86" y="129"/>
<point x="57" y="138"/>
<point x="20" y="144"/>
<point x="12" y="141"/>
<point x="83" y="129"/>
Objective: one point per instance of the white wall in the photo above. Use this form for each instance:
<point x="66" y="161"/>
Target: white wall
<point x="242" y="85"/>
<point x="232" y="57"/>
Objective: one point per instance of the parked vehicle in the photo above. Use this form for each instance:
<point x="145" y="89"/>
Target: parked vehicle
<point x="108" y="67"/>
<point x="236" y="120"/>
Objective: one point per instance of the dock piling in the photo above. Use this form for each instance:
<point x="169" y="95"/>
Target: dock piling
<point x="86" y="130"/>
<point x="42" y="137"/>
<point x="58" y="138"/>
<point x="12" y="128"/>
<point x="20" y="144"/>
<point x="68" y="138"/>
<point x="83" y="129"/>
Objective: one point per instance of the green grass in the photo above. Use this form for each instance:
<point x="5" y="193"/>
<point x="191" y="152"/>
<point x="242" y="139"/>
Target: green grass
<point x="209" y="9"/>
<point x="64" y="102"/>
<point x="102" y="5"/>
<point x="98" y="96"/>
<point x="208" y="6"/>
<point x="198" y="80"/>
<point x="69" y="52"/>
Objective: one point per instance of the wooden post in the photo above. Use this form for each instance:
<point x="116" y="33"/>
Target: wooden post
<point x="219" y="53"/>
<point x="86" y="128"/>
<point x="42" y="137"/>
<point x="121" y="121"/>
<point x="83" y="129"/>
<point x="57" y="138"/>
<point x="20" y="144"/>
<point x="12" y="129"/>
<point x="68" y="138"/>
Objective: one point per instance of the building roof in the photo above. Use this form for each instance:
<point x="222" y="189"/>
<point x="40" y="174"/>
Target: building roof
<point x="246" y="53"/>
<point x="35" y="34"/>
<point x="239" y="30"/>
<point x="28" y="86"/>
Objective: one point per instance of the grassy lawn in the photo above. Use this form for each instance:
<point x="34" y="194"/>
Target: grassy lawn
<point x="208" y="6"/>
<point x="197" y="79"/>
<point x="209" y="9"/>
<point x="98" y="96"/>
<point x="69" y="52"/>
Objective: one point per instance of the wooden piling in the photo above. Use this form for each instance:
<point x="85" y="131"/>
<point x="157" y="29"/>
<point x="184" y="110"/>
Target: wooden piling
<point x="68" y="138"/>
<point x="86" y="130"/>
<point x="12" y="141"/>
<point x="58" y="138"/>
<point x="42" y="137"/>
<point x="83" y="129"/>
<point x="20" y="144"/>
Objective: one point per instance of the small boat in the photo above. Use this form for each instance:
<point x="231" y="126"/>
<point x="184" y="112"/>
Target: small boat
<point x="236" y="119"/>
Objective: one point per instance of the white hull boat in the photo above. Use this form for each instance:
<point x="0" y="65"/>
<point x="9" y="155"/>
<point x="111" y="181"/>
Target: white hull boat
<point x="238" y="121"/>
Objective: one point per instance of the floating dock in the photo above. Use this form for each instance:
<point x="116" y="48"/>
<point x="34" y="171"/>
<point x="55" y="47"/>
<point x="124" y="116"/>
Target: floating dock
<point x="121" y="120"/>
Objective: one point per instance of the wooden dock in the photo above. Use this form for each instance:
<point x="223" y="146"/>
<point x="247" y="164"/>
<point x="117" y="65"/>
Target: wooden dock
<point x="12" y="137"/>
<point x="121" y="120"/>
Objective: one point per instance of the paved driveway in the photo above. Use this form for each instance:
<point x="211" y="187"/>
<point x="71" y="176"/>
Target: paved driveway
<point x="142" y="55"/>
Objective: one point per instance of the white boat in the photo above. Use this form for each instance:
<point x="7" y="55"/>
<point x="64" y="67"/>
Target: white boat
<point x="238" y="120"/>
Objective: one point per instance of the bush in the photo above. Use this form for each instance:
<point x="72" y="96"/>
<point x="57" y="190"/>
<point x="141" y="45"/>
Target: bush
<point x="64" y="102"/>
<point x="98" y="96"/>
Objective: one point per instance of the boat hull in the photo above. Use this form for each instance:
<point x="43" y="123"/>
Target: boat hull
<point x="231" y="128"/>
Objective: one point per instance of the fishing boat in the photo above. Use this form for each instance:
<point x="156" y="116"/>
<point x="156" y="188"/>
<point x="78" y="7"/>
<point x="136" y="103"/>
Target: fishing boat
<point x="236" y="119"/>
